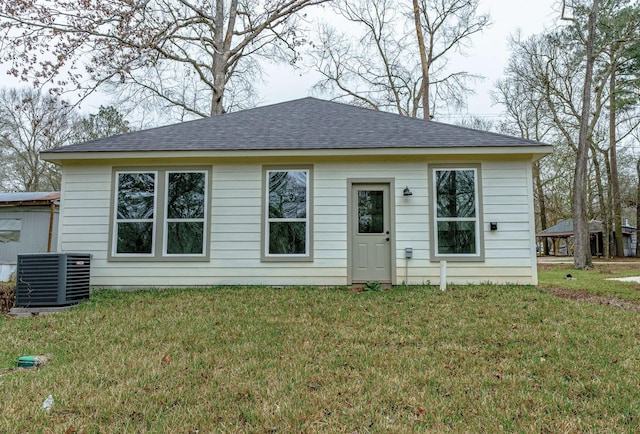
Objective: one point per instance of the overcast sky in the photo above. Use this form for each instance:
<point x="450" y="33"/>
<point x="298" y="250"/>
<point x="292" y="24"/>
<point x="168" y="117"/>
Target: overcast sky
<point x="487" y="57"/>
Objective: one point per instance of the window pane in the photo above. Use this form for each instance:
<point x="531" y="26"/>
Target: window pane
<point x="185" y="238"/>
<point x="287" y="238"/>
<point x="134" y="237"/>
<point x="136" y="195"/>
<point x="185" y="195"/>
<point x="288" y="194"/>
<point x="456" y="193"/>
<point x="370" y="212"/>
<point x="10" y="230"/>
<point x="456" y="238"/>
<point x="8" y="236"/>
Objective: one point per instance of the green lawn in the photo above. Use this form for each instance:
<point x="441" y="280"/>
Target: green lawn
<point x="471" y="359"/>
<point x="596" y="281"/>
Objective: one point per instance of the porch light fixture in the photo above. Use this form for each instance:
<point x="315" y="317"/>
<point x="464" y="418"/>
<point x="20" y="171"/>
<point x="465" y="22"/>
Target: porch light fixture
<point x="407" y="192"/>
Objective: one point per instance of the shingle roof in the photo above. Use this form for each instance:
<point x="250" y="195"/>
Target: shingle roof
<point x="304" y="124"/>
<point x="565" y="229"/>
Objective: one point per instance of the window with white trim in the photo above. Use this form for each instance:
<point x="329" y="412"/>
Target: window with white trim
<point x="185" y="210"/>
<point x="455" y="208"/>
<point x="135" y="216"/>
<point x="160" y="214"/>
<point x="287" y="231"/>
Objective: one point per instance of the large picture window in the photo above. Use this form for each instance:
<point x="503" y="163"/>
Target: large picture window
<point x="456" y="214"/>
<point x="160" y="214"/>
<point x="287" y="217"/>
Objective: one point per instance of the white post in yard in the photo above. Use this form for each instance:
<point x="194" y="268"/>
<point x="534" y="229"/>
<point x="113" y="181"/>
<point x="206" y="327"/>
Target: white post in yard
<point x="443" y="275"/>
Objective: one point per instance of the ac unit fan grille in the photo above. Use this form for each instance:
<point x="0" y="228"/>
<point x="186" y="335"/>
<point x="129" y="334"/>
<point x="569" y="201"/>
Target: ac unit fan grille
<point x="52" y="279"/>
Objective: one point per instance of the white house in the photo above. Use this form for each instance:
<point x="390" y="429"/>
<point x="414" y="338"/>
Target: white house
<point x="307" y="192"/>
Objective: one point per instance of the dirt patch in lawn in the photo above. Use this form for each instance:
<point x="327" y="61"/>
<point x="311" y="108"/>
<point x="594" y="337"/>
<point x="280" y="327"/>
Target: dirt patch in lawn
<point x="588" y="297"/>
<point x="7" y="296"/>
<point x="601" y="267"/>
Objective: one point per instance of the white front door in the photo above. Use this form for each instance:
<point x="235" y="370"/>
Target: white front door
<point x="370" y="233"/>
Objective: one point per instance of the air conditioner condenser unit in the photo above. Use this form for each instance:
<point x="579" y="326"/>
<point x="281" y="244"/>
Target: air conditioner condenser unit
<point x="52" y="279"/>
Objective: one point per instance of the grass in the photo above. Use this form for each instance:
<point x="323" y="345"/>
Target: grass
<point x="595" y="281"/>
<point x="471" y="359"/>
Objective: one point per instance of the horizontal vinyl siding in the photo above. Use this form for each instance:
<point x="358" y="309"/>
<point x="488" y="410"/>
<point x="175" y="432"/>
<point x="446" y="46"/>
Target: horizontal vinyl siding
<point x="508" y="201"/>
<point x="84" y="211"/>
<point x="235" y="220"/>
<point x="236" y="224"/>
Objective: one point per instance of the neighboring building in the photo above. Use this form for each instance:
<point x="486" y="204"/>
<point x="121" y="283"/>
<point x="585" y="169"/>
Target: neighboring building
<point x="561" y="235"/>
<point x="307" y="192"/>
<point x="28" y="224"/>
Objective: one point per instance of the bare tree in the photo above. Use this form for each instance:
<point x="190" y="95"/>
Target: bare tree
<point x="638" y="207"/>
<point x="554" y="72"/>
<point x="619" y="36"/>
<point x="31" y="122"/>
<point x="199" y="56"/>
<point x="443" y="26"/>
<point x="526" y="111"/>
<point x="394" y="56"/>
<point x="552" y="65"/>
<point x="582" y="245"/>
<point x="538" y="94"/>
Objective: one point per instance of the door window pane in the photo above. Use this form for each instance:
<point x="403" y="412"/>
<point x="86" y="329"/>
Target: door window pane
<point x="370" y="212"/>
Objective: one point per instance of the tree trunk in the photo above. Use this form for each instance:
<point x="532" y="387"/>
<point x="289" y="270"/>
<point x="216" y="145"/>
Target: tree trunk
<point x="542" y="206"/>
<point x="219" y="61"/>
<point x="615" y="182"/>
<point x="424" y="62"/>
<point x="582" y="248"/>
<point x="605" y="206"/>
<point x="638" y="210"/>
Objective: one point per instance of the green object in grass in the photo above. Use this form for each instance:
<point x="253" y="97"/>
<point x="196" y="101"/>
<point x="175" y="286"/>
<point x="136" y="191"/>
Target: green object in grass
<point x="31" y="361"/>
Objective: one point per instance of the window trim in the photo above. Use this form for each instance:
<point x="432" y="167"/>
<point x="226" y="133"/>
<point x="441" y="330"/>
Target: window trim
<point x="160" y="222"/>
<point x="166" y="220"/>
<point x="115" y="221"/>
<point x="435" y="256"/>
<point x="265" y="256"/>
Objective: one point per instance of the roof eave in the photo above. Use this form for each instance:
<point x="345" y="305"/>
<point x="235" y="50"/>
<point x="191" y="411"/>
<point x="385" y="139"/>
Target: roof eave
<point x="535" y="153"/>
<point x="5" y="204"/>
